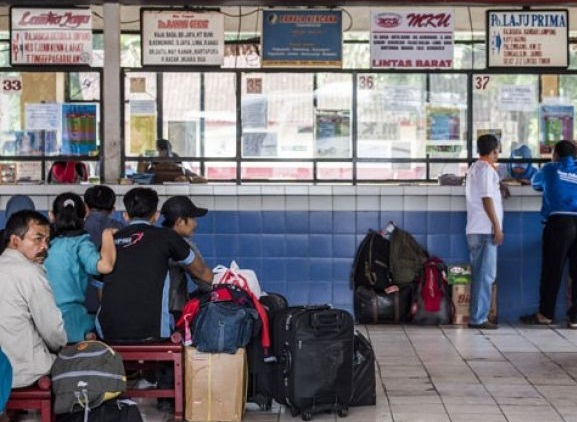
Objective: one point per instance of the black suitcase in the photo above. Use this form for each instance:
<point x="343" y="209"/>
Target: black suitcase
<point x="314" y="347"/>
<point x="373" y="307"/>
<point x="260" y="372"/>
<point x="364" y="379"/>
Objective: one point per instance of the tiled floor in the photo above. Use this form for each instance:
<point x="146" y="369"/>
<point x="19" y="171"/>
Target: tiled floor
<point x="429" y="374"/>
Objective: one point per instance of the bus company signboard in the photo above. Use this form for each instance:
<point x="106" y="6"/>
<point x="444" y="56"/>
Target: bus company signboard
<point x="412" y="39"/>
<point x="50" y="36"/>
<point x="302" y="38"/>
<point x="527" y="38"/>
<point x="181" y="37"/>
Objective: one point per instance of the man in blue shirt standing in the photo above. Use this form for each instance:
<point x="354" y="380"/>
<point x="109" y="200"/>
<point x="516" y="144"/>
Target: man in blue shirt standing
<point x="558" y="182"/>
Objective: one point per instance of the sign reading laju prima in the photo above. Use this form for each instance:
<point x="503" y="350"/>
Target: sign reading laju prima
<point x="412" y="39"/>
<point x="182" y="37"/>
<point x="302" y="38"/>
<point x="50" y="36"/>
<point x="527" y="38"/>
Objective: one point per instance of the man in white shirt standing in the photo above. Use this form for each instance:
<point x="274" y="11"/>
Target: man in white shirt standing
<point x="484" y="228"/>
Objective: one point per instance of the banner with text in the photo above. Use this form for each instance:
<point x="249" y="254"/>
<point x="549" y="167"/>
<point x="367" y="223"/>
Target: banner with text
<point x="50" y="36"/>
<point x="412" y="39"/>
<point x="527" y="38"/>
<point x="181" y="37"/>
<point x="302" y="38"/>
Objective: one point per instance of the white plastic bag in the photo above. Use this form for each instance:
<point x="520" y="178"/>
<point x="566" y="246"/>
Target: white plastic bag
<point x="245" y="279"/>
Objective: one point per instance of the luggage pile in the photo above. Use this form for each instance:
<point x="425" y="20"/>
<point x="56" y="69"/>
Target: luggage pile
<point x="307" y="358"/>
<point x="394" y="280"/>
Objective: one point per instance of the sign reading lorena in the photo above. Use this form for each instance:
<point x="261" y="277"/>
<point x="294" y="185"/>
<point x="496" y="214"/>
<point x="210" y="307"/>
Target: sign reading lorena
<point x="179" y="37"/>
<point x="412" y="39"/>
<point x="50" y="36"/>
<point x="527" y="38"/>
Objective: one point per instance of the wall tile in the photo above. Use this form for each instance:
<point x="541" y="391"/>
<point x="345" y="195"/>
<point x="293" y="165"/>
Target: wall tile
<point x="274" y="222"/>
<point x="273" y="245"/>
<point x="274" y="269"/>
<point x="297" y="222"/>
<point x="344" y="222"/>
<point x="321" y="245"/>
<point x="250" y="245"/>
<point x="344" y="245"/>
<point x="297" y="245"/>
<point x="321" y="222"/>
<point x="227" y="222"/>
<point x="321" y="269"/>
<point x="367" y="220"/>
<point x="250" y="222"/>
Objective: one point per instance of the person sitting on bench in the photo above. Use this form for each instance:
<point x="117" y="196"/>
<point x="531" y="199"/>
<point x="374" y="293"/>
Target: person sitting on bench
<point x="135" y="295"/>
<point x="31" y="326"/>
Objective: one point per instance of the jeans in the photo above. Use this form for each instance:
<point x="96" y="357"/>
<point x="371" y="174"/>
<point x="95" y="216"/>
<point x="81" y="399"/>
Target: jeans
<point x="483" y="257"/>
<point x="559" y="246"/>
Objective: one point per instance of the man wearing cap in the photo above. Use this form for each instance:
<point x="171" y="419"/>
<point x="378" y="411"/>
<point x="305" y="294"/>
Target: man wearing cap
<point x="135" y="296"/>
<point x="179" y="214"/>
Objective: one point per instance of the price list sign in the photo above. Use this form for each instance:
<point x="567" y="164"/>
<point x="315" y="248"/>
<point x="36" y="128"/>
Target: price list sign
<point x="180" y="37"/>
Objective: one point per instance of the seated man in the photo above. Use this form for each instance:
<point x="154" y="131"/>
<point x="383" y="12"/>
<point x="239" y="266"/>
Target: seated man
<point x="516" y="172"/>
<point x="31" y="326"/>
<point x="136" y="294"/>
<point x="171" y="171"/>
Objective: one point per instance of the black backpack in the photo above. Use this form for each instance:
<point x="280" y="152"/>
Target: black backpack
<point x="120" y="410"/>
<point x="86" y="374"/>
<point x="371" y="264"/>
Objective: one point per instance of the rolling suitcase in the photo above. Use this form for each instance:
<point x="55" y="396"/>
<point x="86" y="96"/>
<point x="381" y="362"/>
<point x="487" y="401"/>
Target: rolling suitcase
<point x="314" y="348"/>
<point x="260" y="371"/>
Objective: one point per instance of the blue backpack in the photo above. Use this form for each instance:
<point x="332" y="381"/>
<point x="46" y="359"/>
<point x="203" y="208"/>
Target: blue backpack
<point x="5" y="380"/>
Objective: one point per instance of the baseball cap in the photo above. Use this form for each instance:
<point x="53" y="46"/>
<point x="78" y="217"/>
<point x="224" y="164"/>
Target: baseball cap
<point x="179" y="207"/>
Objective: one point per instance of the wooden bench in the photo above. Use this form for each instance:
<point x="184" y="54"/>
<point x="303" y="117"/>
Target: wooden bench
<point x="37" y="396"/>
<point x="156" y="352"/>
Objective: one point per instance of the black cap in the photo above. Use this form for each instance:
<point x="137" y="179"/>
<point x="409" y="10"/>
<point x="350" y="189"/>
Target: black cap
<point x="180" y="207"/>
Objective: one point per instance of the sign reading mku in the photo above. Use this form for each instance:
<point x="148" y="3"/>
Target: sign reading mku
<point x="412" y="39"/>
<point x="527" y="38"/>
<point x="50" y="36"/>
<point x="180" y="37"/>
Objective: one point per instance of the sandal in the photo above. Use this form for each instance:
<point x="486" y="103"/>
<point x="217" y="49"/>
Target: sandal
<point x="535" y="319"/>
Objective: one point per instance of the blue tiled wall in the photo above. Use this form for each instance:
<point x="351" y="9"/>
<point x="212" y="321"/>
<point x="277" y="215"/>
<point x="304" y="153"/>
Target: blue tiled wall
<point x="307" y="256"/>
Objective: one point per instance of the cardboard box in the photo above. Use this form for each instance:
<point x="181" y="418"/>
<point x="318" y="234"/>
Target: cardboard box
<point x="215" y="385"/>
<point x="462" y="299"/>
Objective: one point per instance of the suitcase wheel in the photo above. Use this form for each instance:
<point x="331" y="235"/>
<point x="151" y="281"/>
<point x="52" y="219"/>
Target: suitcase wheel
<point x="294" y="411"/>
<point x="343" y="412"/>
<point x="307" y="416"/>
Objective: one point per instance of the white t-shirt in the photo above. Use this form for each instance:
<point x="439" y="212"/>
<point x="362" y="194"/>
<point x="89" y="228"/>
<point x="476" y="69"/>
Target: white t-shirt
<point x="482" y="182"/>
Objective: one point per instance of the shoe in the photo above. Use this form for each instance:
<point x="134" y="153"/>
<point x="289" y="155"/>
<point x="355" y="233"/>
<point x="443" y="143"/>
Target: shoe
<point x="535" y="319"/>
<point x="572" y="323"/>
<point x="487" y="325"/>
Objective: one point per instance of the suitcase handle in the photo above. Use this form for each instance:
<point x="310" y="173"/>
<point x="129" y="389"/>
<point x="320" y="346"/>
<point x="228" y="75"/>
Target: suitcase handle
<point x="327" y="321"/>
<point x="286" y="361"/>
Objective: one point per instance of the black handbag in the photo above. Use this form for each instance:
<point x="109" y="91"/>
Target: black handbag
<point x="372" y="307"/>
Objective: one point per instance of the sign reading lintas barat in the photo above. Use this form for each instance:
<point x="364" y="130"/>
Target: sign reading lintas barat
<point x="50" y="36"/>
<point x="412" y="39"/>
<point x="181" y="37"/>
<point x="527" y="38"/>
